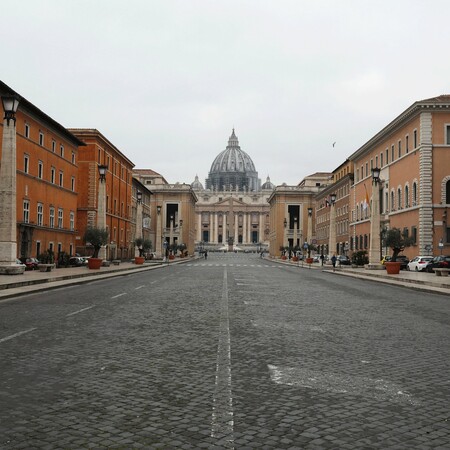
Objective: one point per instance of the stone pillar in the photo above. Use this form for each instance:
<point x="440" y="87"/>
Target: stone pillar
<point x="101" y="213"/>
<point x="138" y="225"/>
<point x="261" y="228"/>
<point x="158" y="242"/>
<point x="8" y="208"/>
<point x="216" y="228"/>
<point x="332" y="237"/>
<point x="375" y="240"/>
<point x="236" y="229"/>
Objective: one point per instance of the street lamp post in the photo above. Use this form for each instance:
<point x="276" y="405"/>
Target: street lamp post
<point x="375" y="241"/>
<point x="285" y="233"/>
<point x="8" y="177"/>
<point x="101" y="205"/>
<point x="309" y="232"/>
<point x="159" y="249"/>
<point x="138" y="220"/>
<point x="332" y="238"/>
<point x="295" y="234"/>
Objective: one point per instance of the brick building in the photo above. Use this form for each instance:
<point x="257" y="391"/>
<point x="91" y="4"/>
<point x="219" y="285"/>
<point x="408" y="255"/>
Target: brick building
<point x="47" y="182"/>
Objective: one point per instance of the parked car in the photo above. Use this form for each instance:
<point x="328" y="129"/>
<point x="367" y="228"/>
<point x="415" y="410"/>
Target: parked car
<point x="386" y="258"/>
<point x="20" y="263"/>
<point x="343" y="260"/>
<point x="419" y="263"/>
<point x="30" y="263"/>
<point x="402" y="259"/>
<point x="441" y="262"/>
<point x="77" y="261"/>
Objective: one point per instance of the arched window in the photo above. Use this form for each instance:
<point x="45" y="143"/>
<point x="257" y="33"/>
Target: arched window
<point x="414" y="194"/>
<point x="447" y="192"/>
<point x="392" y="201"/>
<point x="399" y="198"/>
<point x="386" y="202"/>
<point x="357" y="212"/>
<point x="406" y="196"/>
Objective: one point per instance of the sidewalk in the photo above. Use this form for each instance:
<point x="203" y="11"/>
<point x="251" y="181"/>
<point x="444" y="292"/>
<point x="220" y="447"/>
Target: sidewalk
<point x="414" y="280"/>
<point x="34" y="280"/>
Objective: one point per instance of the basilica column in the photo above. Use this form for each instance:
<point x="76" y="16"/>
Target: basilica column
<point x="216" y="227"/>
<point x="199" y="230"/>
<point x="249" y="228"/>
<point x="236" y="229"/>
<point x="261" y="227"/>
<point x="244" y="228"/>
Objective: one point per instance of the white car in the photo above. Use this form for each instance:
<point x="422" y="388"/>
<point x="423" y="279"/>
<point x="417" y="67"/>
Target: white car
<point x="419" y="263"/>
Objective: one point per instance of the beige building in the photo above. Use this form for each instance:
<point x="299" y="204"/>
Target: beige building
<point x="413" y="153"/>
<point x="172" y="212"/>
<point x="292" y="220"/>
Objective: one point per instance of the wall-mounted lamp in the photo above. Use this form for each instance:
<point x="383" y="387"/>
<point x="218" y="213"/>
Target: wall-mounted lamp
<point x="376" y="174"/>
<point x="158" y="210"/>
<point x="333" y="198"/>
<point x="310" y="212"/>
<point x="139" y="196"/>
<point x="10" y="105"/>
<point x="102" y="171"/>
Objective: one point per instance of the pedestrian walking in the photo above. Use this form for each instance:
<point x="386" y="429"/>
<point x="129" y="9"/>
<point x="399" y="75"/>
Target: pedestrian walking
<point x="322" y="258"/>
<point x="333" y="261"/>
<point x="206" y="254"/>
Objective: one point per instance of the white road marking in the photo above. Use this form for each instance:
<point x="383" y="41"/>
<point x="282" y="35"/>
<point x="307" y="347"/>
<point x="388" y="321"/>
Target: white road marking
<point x="139" y="287"/>
<point x="80" y="310"/>
<point x="222" y="421"/>
<point x="119" y="295"/>
<point x="355" y="385"/>
<point x="17" y="334"/>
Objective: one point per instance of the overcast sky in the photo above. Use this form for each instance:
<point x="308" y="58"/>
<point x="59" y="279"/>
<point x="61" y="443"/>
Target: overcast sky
<point x="165" y="81"/>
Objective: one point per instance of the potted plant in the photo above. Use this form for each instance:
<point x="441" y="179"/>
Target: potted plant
<point x="97" y="237"/>
<point x="360" y="258"/>
<point x="283" y="250"/>
<point x="173" y="250"/>
<point x="397" y="240"/>
<point x="143" y="245"/>
<point x="309" y="248"/>
<point x="182" y="248"/>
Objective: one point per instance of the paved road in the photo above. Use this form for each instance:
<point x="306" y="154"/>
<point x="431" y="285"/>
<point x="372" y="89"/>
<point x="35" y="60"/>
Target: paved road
<point x="232" y="352"/>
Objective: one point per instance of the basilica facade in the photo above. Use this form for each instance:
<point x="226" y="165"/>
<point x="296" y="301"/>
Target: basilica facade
<point x="232" y="210"/>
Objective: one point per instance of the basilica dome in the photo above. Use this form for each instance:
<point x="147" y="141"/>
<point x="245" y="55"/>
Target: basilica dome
<point x="268" y="185"/>
<point x="196" y="184"/>
<point x="233" y="169"/>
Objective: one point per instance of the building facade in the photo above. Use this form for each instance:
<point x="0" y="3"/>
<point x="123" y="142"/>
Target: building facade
<point x="46" y="183"/>
<point x="413" y="153"/>
<point x="98" y="150"/>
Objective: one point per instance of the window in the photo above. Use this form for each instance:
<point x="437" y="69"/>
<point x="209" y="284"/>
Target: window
<point x="392" y="201"/>
<point x="447" y="192"/>
<point x="38" y="248"/>
<point x="52" y="217"/>
<point x="399" y="198"/>
<point x="72" y="184"/>
<point x="447" y="134"/>
<point x="367" y="169"/>
<point x="40" y="169"/>
<point x="387" y="156"/>
<point x="61" y="178"/>
<point x="406" y="196"/>
<point x="357" y="174"/>
<point x="61" y="151"/>
<point x="73" y="158"/>
<point x="414" y="194"/>
<point x="53" y="146"/>
<point x="27" y="130"/>
<point x="60" y="218"/>
<point x="399" y="149"/>
<point x="72" y="220"/>
<point x="40" y="214"/>
<point x="53" y="175"/>
<point x="26" y="163"/>
<point x="26" y="211"/>
<point x="381" y="159"/>
<point x="392" y="153"/>
<point x="414" y="234"/>
<point x="376" y="161"/>
<point x="407" y="144"/>
<point x="415" y="138"/>
<point x="386" y="202"/>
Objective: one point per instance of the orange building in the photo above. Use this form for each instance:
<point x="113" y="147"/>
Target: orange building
<point x="413" y="153"/>
<point x="46" y="184"/>
<point x="99" y="150"/>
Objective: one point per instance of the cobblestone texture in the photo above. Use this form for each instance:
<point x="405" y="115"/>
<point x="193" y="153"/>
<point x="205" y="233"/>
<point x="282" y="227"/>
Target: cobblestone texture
<point x="317" y="361"/>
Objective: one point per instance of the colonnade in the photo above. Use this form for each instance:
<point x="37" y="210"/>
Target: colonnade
<point x="246" y="230"/>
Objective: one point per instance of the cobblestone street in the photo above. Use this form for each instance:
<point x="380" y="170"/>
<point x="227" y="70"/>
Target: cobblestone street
<point x="229" y="352"/>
